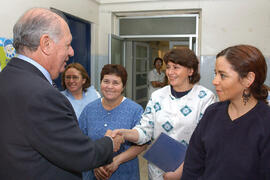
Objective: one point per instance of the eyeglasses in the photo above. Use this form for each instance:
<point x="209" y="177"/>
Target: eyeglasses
<point x="69" y="77"/>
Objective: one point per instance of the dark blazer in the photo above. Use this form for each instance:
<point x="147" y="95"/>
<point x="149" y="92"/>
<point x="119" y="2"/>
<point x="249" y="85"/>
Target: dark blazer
<point x="39" y="133"/>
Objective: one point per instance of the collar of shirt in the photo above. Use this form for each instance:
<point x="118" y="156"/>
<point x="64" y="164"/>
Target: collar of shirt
<point x="156" y="72"/>
<point x="179" y="94"/>
<point x="37" y="65"/>
<point x="69" y="94"/>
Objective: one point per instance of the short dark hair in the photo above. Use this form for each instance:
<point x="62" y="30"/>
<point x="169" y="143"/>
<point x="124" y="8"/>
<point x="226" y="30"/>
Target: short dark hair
<point x="83" y="72"/>
<point x="158" y="59"/>
<point x="245" y="59"/>
<point x="184" y="57"/>
<point x="115" y="69"/>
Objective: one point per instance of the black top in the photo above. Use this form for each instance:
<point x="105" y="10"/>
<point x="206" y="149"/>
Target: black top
<point x="222" y="149"/>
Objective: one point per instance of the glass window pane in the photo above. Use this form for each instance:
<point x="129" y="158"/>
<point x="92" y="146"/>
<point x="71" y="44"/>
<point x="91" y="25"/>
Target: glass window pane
<point x="141" y="65"/>
<point x="117" y="51"/>
<point x="194" y="44"/>
<point x="158" y="26"/>
<point x="141" y="51"/>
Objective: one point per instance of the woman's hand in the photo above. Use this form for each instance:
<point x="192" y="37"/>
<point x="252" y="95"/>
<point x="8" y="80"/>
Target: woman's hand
<point x="101" y="173"/>
<point x="111" y="168"/>
<point x="175" y="175"/>
<point x="105" y="172"/>
<point x="171" y="176"/>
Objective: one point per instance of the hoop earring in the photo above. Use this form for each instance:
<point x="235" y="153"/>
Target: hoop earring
<point x="246" y="95"/>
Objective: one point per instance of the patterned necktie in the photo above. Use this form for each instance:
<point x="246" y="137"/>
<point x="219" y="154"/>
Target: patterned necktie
<point x="54" y="85"/>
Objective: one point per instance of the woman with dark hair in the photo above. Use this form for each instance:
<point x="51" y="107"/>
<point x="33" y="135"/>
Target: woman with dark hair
<point x="113" y="111"/>
<point x="77" y="89"/>
<point x="156" y="77"/>
<point x="174" y="109"/>
<point x="232" y="141"/>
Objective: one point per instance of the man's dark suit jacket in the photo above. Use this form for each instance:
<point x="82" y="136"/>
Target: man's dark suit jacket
<point x="39" y="134"/>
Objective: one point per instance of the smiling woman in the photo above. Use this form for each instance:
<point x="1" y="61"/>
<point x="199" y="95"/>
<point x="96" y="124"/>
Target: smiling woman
<point x="77" y="89"/>
<point x="113" y="111"/>
<point x="113" y="81"/>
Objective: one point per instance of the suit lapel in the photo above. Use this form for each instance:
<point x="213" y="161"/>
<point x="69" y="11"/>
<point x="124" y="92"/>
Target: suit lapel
<point x="26" y="66"/>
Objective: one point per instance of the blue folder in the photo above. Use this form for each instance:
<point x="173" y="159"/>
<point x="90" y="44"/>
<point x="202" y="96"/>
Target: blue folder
<point x="166" y="153"/>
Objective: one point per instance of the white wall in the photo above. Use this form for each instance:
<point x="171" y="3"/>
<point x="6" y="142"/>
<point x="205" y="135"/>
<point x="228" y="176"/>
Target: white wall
<point x="11" y="10"/>
<point x="224" y="22"/>
<point x="88" y="10"/>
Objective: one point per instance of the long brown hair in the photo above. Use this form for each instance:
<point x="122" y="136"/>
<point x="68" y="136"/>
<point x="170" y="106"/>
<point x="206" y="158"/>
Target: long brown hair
<point x="245" y="59"/>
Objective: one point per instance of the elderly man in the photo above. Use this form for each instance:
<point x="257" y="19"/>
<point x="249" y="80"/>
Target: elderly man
<point x="39" y="134"/>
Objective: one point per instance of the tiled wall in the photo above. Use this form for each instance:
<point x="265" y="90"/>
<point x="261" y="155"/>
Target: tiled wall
<point x="207" y="66"/>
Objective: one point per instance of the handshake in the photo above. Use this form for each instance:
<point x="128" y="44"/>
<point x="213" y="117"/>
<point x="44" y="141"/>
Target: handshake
<point x="117" y="139"/>
<point x="120" y="135"/>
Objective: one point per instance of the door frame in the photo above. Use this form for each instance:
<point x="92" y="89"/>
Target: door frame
<point x="134" y="72"/>
<point x="113" y="36"/>
<point x="73" y="59"/>
<point x="171" y="36"/>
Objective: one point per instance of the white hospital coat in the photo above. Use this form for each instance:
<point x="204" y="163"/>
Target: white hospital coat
<point x="154" y="76"/>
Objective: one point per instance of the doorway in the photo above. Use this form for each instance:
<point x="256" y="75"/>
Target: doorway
<point x="140" y="46"/>
<point x="138" y="57"/>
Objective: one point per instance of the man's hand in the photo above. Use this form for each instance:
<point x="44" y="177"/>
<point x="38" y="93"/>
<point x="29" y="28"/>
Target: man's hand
<point x="131" y="135"/>
<point x="116" y="138"/>
<point x="108" y="133"/>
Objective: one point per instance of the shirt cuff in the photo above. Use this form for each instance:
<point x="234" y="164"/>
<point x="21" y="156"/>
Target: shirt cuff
<point x="111" y="139"/>
<point x="141" y="137"/>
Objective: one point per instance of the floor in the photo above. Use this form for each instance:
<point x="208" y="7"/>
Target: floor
<point x="143" y="168"/>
